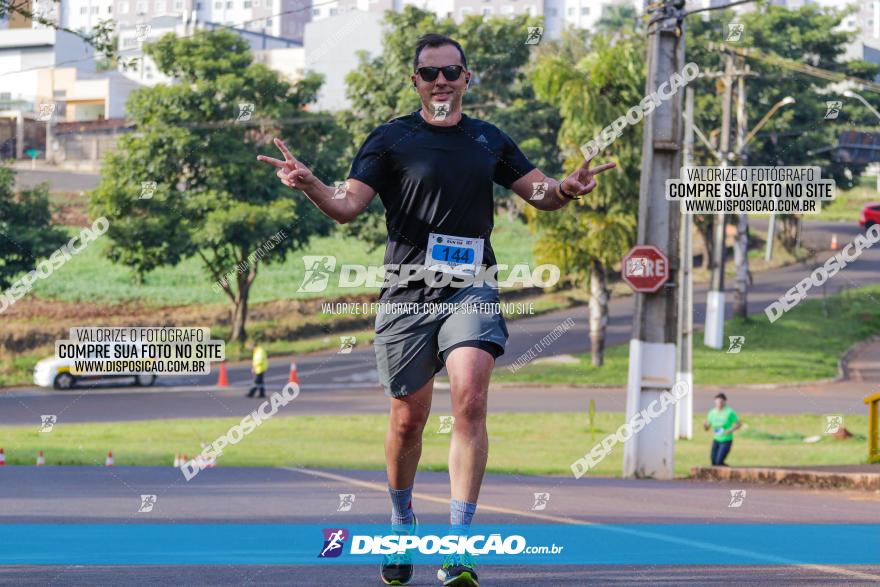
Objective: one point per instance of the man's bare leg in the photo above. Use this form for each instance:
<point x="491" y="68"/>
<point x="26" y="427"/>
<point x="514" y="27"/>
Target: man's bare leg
<point x="403" y="441"/>
<point x="403" y="448"/>
<point x="469" y="372"/>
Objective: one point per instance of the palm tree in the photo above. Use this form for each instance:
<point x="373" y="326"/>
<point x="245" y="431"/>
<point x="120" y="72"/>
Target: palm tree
<point x="585" y="241"/>
<point x="592" y="82"/>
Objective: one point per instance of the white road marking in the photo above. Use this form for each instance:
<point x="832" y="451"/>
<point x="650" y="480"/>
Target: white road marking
<point x="832" y="570"/>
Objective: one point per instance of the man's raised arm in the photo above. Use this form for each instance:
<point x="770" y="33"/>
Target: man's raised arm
<point x="557" y="194"/>
<point x="341" y="204"/>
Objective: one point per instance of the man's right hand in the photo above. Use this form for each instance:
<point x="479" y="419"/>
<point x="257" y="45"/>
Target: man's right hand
<point x="291" y="172"/>
<point x="342" y="208"/>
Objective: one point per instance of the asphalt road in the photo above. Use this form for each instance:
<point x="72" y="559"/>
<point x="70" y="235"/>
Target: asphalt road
<point x="339" y="383"/>
<point x="23" y="407"/>
<point x="112" y="405"/>
<point x="348" y="576"/>
<point x="79" y="495"/>
<point x="59" y="180"/>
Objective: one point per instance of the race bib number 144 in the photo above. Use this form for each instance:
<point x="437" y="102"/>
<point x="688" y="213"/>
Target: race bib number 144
<point x="454" y="254"/>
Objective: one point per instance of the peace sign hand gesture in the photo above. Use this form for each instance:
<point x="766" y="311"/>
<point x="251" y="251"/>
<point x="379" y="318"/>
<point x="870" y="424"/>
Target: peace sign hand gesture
<point x="583" y="181"/>
<point x="291" y="172"/>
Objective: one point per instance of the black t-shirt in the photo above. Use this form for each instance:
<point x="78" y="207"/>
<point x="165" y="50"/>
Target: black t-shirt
<point x="435" y="179"/>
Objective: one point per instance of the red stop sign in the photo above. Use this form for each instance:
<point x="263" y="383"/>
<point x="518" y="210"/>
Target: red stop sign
<point x="645" y="268"/>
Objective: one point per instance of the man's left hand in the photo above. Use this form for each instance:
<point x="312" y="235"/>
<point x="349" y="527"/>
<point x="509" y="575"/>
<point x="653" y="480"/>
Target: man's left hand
<point x="583" y="181"/>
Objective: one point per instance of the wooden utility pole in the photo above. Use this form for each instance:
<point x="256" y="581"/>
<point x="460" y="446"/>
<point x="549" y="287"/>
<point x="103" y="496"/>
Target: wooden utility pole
<point x="684" y="409"/>
<point x="652" y="348"/>
<point x="50" y="138"/>
<point x="741" y="244"/>
<point x="713" y="334"/>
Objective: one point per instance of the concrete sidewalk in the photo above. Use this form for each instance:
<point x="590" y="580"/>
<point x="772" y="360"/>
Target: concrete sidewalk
<point x="853" y="477"/>
<point x="862" y="363"/>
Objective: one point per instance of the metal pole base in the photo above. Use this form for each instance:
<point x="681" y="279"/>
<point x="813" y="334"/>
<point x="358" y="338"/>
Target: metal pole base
<point x="713" y="334"/>
<point x="684" y="409"/>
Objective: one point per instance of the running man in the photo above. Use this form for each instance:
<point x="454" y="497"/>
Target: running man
<point x="724" y="422"/>
<point x="433" y="170"/>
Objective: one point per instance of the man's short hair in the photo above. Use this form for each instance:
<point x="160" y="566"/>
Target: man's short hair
<point x="721" y="396"/>
<point x="436" y="40"/>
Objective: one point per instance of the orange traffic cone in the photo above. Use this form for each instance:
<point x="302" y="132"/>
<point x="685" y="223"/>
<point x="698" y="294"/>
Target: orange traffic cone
<point x="109" y="461"/>
<point x="176" y="460"/>
<point x="833" y="242"/>
<point x="222" y="381"/>
<point x="2" y="458"/>
<point x="41" y="460"/>
<point x="294" y="377"/>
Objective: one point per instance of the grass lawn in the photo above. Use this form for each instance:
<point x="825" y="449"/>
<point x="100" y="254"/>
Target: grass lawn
<point x="522" y="444"/>
<point x="189" y="283"/>
<point x="848" y="204"/>
<point x="804" y="345"/>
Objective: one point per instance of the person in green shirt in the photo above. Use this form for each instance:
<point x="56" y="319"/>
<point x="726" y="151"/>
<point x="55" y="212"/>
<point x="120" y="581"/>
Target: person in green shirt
<point x="260" y="364"/>
<point x="724" y="422"/>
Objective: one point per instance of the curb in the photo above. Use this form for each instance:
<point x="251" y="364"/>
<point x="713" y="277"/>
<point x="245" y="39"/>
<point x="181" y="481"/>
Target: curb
<point x="843" y="363"/>
<point x="790" y="477"/>
<point x="574" y="386"/>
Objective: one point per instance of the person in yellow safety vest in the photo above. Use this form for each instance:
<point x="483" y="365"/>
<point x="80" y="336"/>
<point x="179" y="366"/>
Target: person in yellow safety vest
<point x="260" y="364"/>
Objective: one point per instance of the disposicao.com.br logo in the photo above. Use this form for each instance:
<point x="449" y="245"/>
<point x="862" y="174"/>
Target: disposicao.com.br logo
<point x="478" y="544"/>
<point x="320" y="269"/>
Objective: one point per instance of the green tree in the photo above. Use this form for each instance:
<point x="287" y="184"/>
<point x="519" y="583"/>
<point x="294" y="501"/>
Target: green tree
<point x="796" y="135"/>
<point x="26" y="231"/>
<point x="590" y="82"/>
<point x="212" y="199"/>
<point x="500" y="91"/>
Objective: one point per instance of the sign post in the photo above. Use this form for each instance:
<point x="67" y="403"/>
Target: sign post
<point x="645" y="268"/>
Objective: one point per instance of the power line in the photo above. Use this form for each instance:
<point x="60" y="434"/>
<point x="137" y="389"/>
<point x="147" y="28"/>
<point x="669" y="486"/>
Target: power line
<point x="793" y="65"/>
<point x="675" y="10"/>
<point x="722" y="7"/>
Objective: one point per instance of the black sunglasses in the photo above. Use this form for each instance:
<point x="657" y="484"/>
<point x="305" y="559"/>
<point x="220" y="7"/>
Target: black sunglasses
<point x="450" y="72"/>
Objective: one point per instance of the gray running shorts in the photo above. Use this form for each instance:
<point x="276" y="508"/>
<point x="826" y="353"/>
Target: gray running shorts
<point x="414" y="339"/>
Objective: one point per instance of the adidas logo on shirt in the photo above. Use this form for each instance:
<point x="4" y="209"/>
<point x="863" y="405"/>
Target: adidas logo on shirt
<point x="482" y="139"/>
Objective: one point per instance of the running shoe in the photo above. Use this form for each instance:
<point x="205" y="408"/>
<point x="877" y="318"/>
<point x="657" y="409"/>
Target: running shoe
<point x="458" y="571"/>
<point x="397" y="568"/>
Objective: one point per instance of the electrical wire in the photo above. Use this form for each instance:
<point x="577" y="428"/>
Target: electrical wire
<point x="803" y="68"/>
<point x="689" y="12"/>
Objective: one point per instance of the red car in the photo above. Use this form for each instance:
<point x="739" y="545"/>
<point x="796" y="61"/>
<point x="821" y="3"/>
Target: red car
<point x="870" y="215"/>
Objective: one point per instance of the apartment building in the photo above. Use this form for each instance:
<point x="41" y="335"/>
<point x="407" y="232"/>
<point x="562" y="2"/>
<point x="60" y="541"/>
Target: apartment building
<point x="285" y="53"/>
<point x="556" y="14"/>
